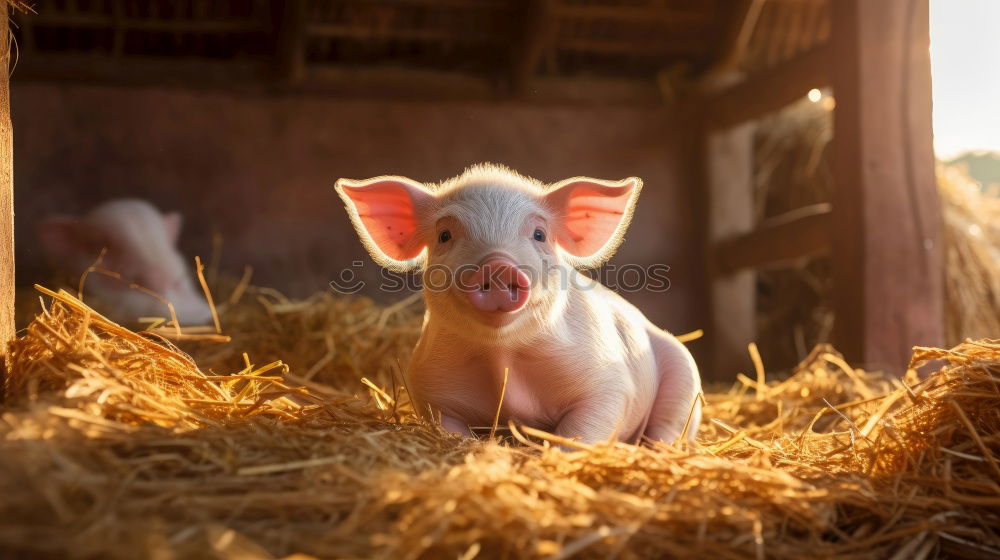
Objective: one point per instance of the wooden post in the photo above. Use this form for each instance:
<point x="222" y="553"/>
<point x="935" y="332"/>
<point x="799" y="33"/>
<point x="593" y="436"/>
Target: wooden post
<point x="729" y="155"/>
<point x="887" y="247"/>
<point x="6" y="191"/>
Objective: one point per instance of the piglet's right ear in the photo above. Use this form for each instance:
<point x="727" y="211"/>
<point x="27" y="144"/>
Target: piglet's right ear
<point x="386" y="213"/>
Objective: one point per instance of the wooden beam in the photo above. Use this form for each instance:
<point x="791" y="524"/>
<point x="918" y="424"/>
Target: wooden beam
<point x="794" y="235"/>
<point x="471" y="5"/>
<point x="432" y="85"/>
<point x="142" y="70"/>
<point x="95" y="20"/>
<point x="381" y="82"/>
<point x="396" y="83"/>
<point x="671" y="47"/>
<point x="732" y="322"/>
<point x="887" y="252"/>
<point x="368" y="33"/>
<point x="6" y="195"/>
<point x="625" y="14"/>
<point x="771" y="89"/>
<point x="588" y="90"/>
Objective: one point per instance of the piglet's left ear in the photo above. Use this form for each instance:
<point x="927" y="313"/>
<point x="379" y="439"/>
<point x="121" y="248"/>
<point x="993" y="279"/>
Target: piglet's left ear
<point x="592" y="216"/>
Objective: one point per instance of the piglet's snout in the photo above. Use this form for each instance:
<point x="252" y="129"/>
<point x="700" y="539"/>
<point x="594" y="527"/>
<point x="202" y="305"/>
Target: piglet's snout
<point x="497" y="285"/>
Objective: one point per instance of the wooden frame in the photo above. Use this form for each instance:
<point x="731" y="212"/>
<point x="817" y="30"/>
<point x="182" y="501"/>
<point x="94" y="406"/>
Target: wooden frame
<point x="886" y="250"/>
<point x="800" y="233"/>
<point x="6" y="194"/>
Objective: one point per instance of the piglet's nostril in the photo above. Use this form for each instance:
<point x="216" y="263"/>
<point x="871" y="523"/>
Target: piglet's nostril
<point x="499" y="286"/>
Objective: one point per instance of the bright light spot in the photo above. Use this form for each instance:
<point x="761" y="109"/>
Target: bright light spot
<point x="815" y="95"/>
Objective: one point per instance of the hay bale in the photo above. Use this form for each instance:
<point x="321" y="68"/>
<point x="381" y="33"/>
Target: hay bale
<point x="792" y="170"/>
<point x="116" y="444"/>
<point x="794" y="309"/>
<point x="972" y="256"/>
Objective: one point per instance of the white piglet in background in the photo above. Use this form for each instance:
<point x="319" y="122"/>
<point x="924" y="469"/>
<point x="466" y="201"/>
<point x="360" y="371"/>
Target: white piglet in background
<point x="141" y="246"/>
<point x="499" y="254"/>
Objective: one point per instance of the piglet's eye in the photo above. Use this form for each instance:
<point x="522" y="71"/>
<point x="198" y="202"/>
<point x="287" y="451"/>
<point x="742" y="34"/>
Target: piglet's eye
<point x="444" y="236"/>
<point x="539" y="235"/>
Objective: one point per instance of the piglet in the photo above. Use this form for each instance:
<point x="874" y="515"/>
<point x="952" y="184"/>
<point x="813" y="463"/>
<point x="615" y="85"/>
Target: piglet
<point x="499" y="254"/>
<point x="140" y="245"/>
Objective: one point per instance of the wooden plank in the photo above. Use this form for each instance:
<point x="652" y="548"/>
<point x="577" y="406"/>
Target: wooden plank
<point x="779" y="31"/>
<point x="741" y="28"/>
<point x="290" y="51"/>
<point x="816" y="12"/>
<point x="117" y="18"/>
<point x="732" y="297"/>
<point x="796" y="29"/>
<point x="771" y="89"/>
<point x="6" y="194"/>
<point x="887" y="253"/>
<point x="794" y="235"/>
<point x="539" y="31"/>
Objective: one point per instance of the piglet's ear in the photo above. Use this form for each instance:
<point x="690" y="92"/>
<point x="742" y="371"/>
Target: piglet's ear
<point x="386" y="213"/>
<point x="591" y="216"/>
<point x="64" y="238"/>
<point x="172" y="223"/>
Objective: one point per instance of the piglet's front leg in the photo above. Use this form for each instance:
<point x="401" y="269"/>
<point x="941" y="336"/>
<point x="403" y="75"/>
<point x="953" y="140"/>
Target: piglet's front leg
<point x="593" y="420"/>
<point x="455" y="425"/>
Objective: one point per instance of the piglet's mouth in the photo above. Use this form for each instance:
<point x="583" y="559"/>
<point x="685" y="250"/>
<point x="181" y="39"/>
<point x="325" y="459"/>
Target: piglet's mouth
<point x="497" y="288"/>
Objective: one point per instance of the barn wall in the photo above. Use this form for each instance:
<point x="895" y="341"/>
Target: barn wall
<point x="259" y="170"/>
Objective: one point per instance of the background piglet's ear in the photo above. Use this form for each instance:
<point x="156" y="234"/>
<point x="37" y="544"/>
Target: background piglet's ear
<point x="65" y="237"/>
<point x="172" y="223"/>
<point x="592" y="216"/>
<point x="386" y="213"/>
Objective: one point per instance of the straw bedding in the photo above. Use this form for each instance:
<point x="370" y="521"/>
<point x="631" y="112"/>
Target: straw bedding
<point x="117" y="444"/>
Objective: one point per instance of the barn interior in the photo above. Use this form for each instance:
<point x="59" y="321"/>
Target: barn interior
<point x="780" y="237"/>
<point x="241" y="115"/>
